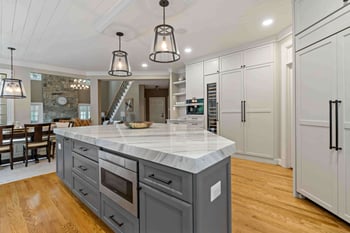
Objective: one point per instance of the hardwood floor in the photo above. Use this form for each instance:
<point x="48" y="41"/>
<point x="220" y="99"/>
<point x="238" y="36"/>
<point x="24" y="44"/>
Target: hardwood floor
<point x="262" y="201"/>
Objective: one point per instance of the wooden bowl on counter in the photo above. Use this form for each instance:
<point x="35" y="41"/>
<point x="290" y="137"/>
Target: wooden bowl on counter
<point x="138" y="124"/>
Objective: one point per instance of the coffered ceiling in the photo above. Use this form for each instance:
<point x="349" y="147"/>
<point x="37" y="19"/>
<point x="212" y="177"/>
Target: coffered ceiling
<point x="80" y="34"/>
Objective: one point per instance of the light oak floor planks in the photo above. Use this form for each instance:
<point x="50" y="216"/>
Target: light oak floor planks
<point x="262" y="202"/>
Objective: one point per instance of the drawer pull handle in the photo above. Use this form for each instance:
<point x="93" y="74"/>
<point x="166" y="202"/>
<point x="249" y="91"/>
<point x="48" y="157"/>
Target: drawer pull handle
<point x="115" y="221"/>
<point x="83" y="148"/>
<point x="159" y="179"/>
<point x="82" y="192"/>
<point x="81" y="167"/>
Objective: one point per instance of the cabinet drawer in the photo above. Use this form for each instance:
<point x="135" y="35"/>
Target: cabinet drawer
<point x="86" y="193"/>
<point x="86" y="168"/>
<point x="172" y="181"/>
<point x="117" y="218"/>
<point x="86" y="150"/>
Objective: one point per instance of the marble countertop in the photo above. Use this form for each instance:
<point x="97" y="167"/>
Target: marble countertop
<point x="178" y="146"/>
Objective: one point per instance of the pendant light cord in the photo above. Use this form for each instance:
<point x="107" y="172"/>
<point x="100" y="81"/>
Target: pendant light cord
<point x="163" y="14"/>
<point x="12" y="73"/>
<point x="119" y="44"/>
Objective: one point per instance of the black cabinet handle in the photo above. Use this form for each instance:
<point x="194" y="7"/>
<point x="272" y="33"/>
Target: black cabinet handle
<point x="337" y="102"/>
<point x="244" y="120"/>
<point x="81" y="167"/>
<point x="115" y="221"/>
<point x="83" y="148"/>
<point x="241" y="110"/>
<point x="82" y="192"/>
<point x="160" y="180"/>
<point x="330" y="125"/>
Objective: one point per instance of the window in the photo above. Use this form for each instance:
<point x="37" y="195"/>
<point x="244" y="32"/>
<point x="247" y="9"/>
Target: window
<point x="36" y="112"/>
<point x="84" y="111"/>
<point x="35" y="76"/>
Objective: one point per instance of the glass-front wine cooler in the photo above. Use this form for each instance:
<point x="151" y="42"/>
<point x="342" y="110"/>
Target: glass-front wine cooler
<point x="212" y="107"/>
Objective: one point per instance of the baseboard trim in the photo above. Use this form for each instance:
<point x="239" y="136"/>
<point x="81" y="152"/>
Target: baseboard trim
<point x="256" y="159"/>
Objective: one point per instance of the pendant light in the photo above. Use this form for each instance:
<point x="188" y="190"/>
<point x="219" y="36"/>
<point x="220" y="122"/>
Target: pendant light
<point x="120" y="66"/>
<point x="164" y="48"/>
<point x="11" y="88"/>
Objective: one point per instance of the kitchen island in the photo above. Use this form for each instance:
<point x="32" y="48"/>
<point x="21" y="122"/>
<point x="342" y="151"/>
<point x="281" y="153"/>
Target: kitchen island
<point x="182" y="182"/>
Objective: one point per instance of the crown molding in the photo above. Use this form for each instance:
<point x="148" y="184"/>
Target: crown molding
<point x="134" y="73"/>
<point x="43" y="67"/>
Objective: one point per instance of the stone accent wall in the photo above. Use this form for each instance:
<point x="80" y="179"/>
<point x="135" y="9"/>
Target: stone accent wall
<point x="53" y="87"/>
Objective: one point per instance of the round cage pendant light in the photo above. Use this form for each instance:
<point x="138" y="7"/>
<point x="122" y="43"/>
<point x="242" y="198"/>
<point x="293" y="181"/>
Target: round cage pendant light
<point x="11" y="88"/>
<point x="164" y="49"/>
<point x="120" y="66"/>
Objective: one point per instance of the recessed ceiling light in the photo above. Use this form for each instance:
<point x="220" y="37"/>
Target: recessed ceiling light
<point x="188" y="50"/>
<point x="144" y="65"/>
<point x="267" y="22"/>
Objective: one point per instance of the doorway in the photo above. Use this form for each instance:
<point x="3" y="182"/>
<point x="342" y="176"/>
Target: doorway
<point x="157" y="104"/>
<point x="157" y="109"/>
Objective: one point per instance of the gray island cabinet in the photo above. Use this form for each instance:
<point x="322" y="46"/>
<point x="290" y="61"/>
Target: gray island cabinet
<point x="182" y="176"/>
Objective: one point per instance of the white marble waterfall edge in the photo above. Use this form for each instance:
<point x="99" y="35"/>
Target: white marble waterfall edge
<point x="178" y="146"/>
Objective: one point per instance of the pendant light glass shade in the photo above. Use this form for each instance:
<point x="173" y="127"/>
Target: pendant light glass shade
<point x="164" y="49"/>
<point x="120" y="66"/>
<point x="11" y="88"/>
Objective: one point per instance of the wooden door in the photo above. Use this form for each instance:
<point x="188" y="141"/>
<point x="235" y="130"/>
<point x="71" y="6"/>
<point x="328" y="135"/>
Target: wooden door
<point x="316" y="75"/>
<point x="343" y="57"/>
<point x="259" y="130"/>
<point x="231" y="117"/>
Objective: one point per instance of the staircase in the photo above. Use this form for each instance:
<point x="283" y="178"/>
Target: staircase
<point x="118" y="100"/>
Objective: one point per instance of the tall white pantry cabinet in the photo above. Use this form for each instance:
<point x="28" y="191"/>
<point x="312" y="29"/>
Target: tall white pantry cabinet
<point x="322" y="75"/>
<point x="245" y="82"/>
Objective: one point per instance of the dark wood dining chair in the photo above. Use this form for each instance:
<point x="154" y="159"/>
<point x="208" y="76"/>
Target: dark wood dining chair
<point x="68" y="124"/>
<point x="6" y="141"/>
<point x="36" y="136"/>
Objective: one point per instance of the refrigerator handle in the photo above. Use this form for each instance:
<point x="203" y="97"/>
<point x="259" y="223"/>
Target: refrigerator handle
<point x="244" y="120"/>
<point x="241" y="110"/>
<point x="337" y="125"/>
<point x="330" y="125"/>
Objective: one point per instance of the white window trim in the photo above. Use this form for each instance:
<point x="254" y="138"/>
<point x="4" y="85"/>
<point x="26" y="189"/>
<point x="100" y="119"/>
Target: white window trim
<point x="83" y="105"/>
<point x="41" y="110"/>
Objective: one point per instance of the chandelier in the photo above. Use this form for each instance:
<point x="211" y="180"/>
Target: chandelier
<point x="80" y="84"/>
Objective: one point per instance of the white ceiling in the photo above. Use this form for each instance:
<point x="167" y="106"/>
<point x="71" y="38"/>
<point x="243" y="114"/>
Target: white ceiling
<point x="80" y="34"/>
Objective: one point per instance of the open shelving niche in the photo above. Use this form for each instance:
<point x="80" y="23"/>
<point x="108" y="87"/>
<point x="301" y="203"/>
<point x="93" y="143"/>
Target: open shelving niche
<point x="178" y="96"/>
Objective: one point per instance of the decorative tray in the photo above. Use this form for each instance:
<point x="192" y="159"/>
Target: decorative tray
<point x="138" y="124"/>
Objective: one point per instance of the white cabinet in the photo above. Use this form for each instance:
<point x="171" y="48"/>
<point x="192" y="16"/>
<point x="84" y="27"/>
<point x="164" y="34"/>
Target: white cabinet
<point x="309" y="12"/>
<point x="246" y="101"/>
<point x="231" y="108"/>
<point x="316" y="86"/>
<point x="246" y="109"/>
<point x="258" y="56"/>
<point x="211" y="66"/>
<point x="231" y="61"/>
<point x="344" y="123"/>
<point x="194" y="81"/>
<point x="323" y="123"/>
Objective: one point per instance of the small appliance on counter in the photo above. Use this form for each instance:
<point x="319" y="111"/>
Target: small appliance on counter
<point x="195" y="106"/>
